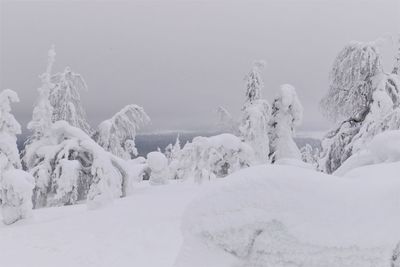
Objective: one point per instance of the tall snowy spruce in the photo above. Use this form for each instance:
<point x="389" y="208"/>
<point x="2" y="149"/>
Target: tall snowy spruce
<point x="287" y="113"/>
<point x="362" y="98"/>
<point x="118" y="133"/>
<point x="15" y="185"/>
<point x="253" y="126"/>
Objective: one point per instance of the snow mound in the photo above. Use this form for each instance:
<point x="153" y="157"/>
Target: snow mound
<point x="156" y="161"/>
<point x="273" y="215"/>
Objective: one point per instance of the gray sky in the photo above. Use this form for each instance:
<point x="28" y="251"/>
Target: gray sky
<point x="182" y="59"/>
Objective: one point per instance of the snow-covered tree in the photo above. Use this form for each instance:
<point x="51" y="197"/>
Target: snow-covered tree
<point x="15" y="185"/>
<point x="287" y="113"/>
<point x="206" y="158"/>
<point x="171" y="151"/>
<point x="158" y="165"/>
<point x="365" y="96"/>
<point x="69" y="166"/>
<point x="309" y="154"/>
<point x="350" y="88"/>
<point x="117" y="134"/>
<point x="16" y="195"/>
<point x="66" y="100"/>
<point x="253" y="126"/>
<point x="43" y="111"/>
<point x="9" y="128"/>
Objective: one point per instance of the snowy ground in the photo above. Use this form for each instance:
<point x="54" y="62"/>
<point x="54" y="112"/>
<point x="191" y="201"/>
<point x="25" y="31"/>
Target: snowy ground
<point x="140" y="230"/>
<point x="258" y="217"/>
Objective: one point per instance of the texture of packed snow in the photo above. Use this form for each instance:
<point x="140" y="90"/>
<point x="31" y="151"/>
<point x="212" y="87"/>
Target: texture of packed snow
<point x="276" y="215"/>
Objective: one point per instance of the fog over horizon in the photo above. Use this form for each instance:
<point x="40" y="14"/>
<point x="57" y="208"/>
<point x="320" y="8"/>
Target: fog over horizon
<point x="180" y="60"/>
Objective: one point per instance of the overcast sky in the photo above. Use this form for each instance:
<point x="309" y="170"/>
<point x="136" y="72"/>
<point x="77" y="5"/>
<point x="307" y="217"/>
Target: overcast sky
<point x="180" y="60"/>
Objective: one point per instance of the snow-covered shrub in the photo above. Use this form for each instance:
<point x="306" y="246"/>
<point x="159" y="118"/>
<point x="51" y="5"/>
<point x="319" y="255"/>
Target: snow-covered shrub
<point x="69" y="166"/>
<point x="210" y="157"/>
<point x="117" y="134"/>
<point x="158" y="165"/>
<point x="287" y="113"/>
<point x="365" y="96"/>
<point x="253" y="126"/>
<point x="16" y="195"/>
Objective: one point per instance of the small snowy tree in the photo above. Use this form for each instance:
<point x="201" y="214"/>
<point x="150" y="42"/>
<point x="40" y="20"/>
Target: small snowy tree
<point x="158" y="165"/>
<point x="117" y="134"/>
<point x="310" y="155"/>
<point x="15" y="185"/>
<point x="9" y="128"/>
<point x="66" y="100"/>
<point x="253" y="127"/>
<point x="287" y="113"/>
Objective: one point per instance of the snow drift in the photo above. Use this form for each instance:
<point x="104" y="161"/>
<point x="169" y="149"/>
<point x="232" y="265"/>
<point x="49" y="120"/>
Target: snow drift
<point x="283" y="215"/>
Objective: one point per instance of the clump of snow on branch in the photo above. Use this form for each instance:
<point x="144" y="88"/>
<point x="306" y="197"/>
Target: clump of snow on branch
<point x="117" y="134"/>
<point x="253" y="126"/>
<point x="287" y="113"/>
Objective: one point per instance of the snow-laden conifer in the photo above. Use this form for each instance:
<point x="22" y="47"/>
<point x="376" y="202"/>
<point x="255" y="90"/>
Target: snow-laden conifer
<point x="253" y="126"/>
<point x="287" y="113"/>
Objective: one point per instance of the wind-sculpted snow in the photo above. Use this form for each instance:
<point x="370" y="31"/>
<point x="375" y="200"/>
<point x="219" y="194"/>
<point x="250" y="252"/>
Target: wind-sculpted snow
<point x="287" y="216"/>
